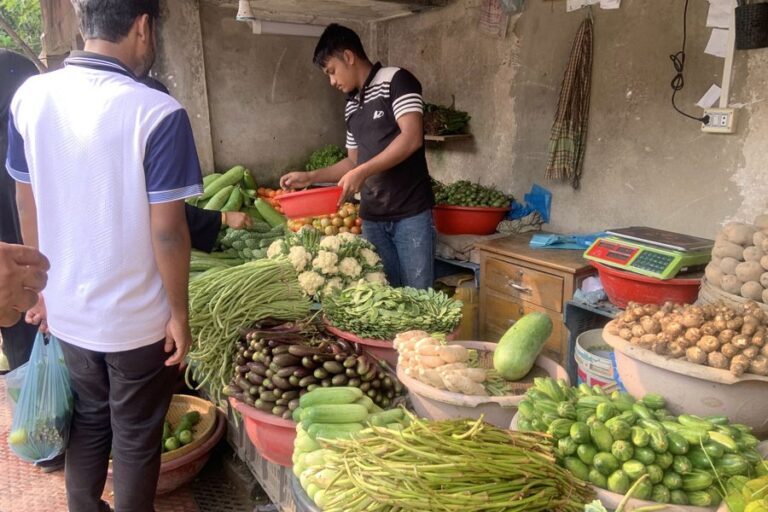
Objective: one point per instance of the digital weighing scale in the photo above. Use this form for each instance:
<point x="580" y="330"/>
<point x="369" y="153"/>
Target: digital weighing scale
<point x="650" y="252"/>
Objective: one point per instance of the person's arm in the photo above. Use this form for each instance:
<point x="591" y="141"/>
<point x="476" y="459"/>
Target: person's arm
<point x="409" y="140"/>
<point x="331" y="174"/>
<point x="23" y="274"/>
<point x="25" y="204"/>
<point x="171" y="245"/>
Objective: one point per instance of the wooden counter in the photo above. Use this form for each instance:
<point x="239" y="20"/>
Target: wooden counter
<point x="516" y="279"/>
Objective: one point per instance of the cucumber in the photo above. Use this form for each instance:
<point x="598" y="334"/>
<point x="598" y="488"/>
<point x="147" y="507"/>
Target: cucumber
<point x="566" y="446"/>
<point x="605" y="463"/>
<point x="234" y="202"/>
<point x="634" y="469"/>
<point x="586" y="453"/>
<point x="601" y="436"/>
<point x="230" y="178"/>
<point x="655" y="473"/>
<point x="381" y="419"/>
<point x="577" y="467"/>
<point x="645" y="455"/>
<point x="269" y="214"/>
<point x="618" y="482"/>
<point x="580" y="432"/>
<point x="661" y="494"/>
<point x="678" y="445"/>
<point x="331" y="396"/>
<point x="598" y="479"/>
<point x="220" y="198"/>
<point x="207" y="180"/>
<point x="520" y="346"/>
<point x="672" y="481"/>
<point x="640" y="437"/>
<point x="328" y="427"/>
<point x="696" y="480"/>
<point x="622" y="450"/>
<point x="343" y="413"/>
<point x="654" y="401"/>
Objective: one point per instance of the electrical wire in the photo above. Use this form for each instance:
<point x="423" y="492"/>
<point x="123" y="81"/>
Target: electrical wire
<point x="678" y="61"/>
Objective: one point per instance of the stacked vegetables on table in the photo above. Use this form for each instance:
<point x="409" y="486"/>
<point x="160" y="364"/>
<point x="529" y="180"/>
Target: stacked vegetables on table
<point x="223" y="302"/>
<point x="613" y="440"/>
<point x="275" y="367"/>
<point x="425" y="465"/>
<point x="748" y="495"/>
<point x="180" y="435"/>
<point x="466" y="193"/>
<point x="739" y="263"/>
<point x="234" y="190"/>
<point x="251" y="243"/>
<point x="327" y="264"/>
<point x="271" y="196"/>
<point x="379" y="311"/>
<point x="715" y="334"/>
<point x="441" y="120"/>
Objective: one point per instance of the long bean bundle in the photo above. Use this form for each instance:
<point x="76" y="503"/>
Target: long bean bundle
<point x="460" y="466"/>
<point x="223" y="302"/>
<point x="380" y="312"/>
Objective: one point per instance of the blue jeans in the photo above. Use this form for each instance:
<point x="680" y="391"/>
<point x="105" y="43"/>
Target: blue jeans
<point x="406" y="247"/>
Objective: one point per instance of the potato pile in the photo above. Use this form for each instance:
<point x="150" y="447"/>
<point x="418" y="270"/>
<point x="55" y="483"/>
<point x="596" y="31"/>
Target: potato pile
<point x="740" y="260"/>
<point x="715" y="335"/>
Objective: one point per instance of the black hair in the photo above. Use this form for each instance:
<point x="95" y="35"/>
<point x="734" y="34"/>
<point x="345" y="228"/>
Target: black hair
<point x="111" y="20"/>
<point x="334" y="41"/>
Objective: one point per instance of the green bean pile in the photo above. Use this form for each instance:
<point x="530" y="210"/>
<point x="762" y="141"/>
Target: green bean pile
<point x="223" y="302"/>
<point x="457" y="465"/>
<point x="380" y="312"/>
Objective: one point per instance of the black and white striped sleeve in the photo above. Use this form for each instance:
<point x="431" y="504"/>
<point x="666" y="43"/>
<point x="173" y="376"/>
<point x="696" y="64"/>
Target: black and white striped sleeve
<point x="349" y="110"/>
<point x="351" y="142"/>
<point x="406" y="94"/>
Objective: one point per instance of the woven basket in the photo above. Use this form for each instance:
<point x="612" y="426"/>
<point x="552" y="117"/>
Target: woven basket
<point x="709" y="294"/>
<point x="752" y="26"/>
<point x="182" y="404"/>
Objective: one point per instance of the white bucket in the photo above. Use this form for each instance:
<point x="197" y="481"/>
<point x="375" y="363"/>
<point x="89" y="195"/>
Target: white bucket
<point x="593" y="359"/>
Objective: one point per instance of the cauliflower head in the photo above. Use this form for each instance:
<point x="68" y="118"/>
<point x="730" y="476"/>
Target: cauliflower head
<point x="276" y="248"/>
<point x="331" y="243"/>
<point x="350" y="267"/>
<point x="332" y="285"/>
<point x="370" y="257"/>
<point x="346" y="237"/>
<point x="299" y="257"/>
<point x="310" y="281"/>
<point x="325" y="262"/>
<point x="376" y="277"/>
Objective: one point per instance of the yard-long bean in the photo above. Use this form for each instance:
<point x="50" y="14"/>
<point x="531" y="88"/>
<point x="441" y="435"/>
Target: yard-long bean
<point x="223" y="302"/>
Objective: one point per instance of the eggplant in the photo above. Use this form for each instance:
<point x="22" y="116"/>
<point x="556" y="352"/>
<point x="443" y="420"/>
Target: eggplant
<point x="283" y="360"/>
<point x="333" y="367"/>
<point x="280" y="349"/>
<point x="339" y="380"/>
<point x="268" y="396"/>
<point x="302" y="350"/>
<point x="281" y="383"/>
<point x="307" y="381"/>
<point x="350" y="362"/>
<point x="254" y="378"/>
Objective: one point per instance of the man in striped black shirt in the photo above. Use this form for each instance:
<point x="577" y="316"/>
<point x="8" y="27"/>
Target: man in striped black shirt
<point x="386" y="161"/>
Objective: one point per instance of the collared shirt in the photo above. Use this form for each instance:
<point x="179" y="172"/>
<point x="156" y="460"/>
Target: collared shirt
<point x="371" y="118"/>
<point x="98" y="148"/>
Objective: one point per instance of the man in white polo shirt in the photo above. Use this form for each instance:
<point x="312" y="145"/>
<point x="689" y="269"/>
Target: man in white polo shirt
<point x="103" y="165"/>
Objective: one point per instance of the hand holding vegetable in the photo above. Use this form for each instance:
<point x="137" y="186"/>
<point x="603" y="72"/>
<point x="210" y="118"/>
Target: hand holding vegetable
<point x="351" y="183"/>
<point x="237" y="220"/>
<point x="297" y="180"/>
<point x="23" y="274"/>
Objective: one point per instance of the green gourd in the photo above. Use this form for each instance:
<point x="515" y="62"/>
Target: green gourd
<point x="520" y="346"/>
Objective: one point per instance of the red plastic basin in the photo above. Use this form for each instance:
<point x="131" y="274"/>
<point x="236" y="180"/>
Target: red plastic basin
<point x="463" y="220"/>
<point x="623" y="287"/>
<point x="379" y="349"/>
<point x="311" y="203"/>
<point x="272" y="436"/>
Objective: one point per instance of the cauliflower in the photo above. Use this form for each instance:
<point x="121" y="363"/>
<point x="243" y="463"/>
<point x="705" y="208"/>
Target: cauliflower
<point x="350" y="267"/>
<point x="276" y="249"/>
<point x="332" y="285"/>
<point x="310" y="282"/>
<point x="376" y="277"/>
<point x="325" y="262"/>
<point x="331" y="243"/>
<point x="299" y="257"/>
<point x="370" y="257"/>
<point x="346" y="237"/>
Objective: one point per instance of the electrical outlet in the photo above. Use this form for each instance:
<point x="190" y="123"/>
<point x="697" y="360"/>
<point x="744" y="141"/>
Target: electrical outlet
<point x="721" y="120"/>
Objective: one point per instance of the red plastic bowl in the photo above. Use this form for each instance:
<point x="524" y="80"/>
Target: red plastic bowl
<point x="272" y="436"/>
<point x="463" y="220"/>
<point x="311" y="203"/>
<point x="623" y="287"/>
<point x="379" y="349"/>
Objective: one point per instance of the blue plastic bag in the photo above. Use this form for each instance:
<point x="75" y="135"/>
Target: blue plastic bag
<point x="14" y="381"/>
<point x="40" y="427"/>
<point x="539" y="199"/>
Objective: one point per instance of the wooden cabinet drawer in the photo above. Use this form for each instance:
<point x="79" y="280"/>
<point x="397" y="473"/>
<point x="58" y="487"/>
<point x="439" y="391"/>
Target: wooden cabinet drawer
<point x="524" y="283"/>
<point x="499" y="313"/>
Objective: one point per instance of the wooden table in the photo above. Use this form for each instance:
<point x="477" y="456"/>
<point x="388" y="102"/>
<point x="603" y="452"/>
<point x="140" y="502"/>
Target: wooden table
<point x="516" y="279"/>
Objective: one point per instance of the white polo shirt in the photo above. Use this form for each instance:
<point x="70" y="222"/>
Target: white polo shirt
<point x="98" y="148"/>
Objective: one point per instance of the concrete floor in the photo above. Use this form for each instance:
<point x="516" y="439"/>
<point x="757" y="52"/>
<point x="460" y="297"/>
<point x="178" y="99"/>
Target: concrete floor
<point x="23" y="488"/>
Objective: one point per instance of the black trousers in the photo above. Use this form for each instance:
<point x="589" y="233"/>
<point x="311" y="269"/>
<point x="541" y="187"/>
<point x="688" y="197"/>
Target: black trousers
<point x="17" y="342"/>
<point x="121" y="399"/>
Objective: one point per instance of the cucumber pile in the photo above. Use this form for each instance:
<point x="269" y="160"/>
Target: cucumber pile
<point x="274" y="368"/>
<point x="252" y="243"/>
<point x="613" y="440"/>
<point x="176" y="437"/>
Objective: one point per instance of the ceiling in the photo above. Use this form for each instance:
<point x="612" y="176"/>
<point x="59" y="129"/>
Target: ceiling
<point x="320" y="11"/>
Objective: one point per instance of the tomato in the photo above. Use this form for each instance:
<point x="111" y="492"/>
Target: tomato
<point x="358" y="222"/>
<point x="355" y="230"/>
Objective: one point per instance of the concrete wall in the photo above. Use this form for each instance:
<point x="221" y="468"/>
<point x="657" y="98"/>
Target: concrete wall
<point x="269" y="106"/>
<point x="181" y="67"/>
<point x="645" y="164"/>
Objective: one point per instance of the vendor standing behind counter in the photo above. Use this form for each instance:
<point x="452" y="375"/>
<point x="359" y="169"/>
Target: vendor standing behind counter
<point x="386" y="162"/>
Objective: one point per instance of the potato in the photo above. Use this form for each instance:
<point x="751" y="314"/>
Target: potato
<point x="731" y="284"/>
<point x="714" y="275"/>
<point x="696" y="355"/>
<point x="692" y="319"/>
<point x="759" y="365"/>
<point x="720" y="237"/>
<point x="708" y="329"/>
<point x="753" y="254"/>
<point x="761" y="221"/>
<point x="758" y="237"/>
<point x="726" y="335"/>
<point x="728" y="249"/>
<point x="739" y="365"/>
<point x="648" y="340"/>
<point x="741" y="341"/>
<point x="729" y="350"/>
<point x="718" y="360"/>
<point x="749" y="271"/>
<point x="637" y="330"/>
<point x="739" y="233"/>
<point x="693" y="334"/>
<point x="764" y="261"/>
<point x="708" y="344"/>
<point x="728" y="265"/>
<point x="764" y="246"/>
<point x="650" y="326"/>
<point x="675" y="350"/>
<point x="751" y="351"/>
<point x="752" y="290"/>
<point x="765" y="296"/>
<point x="625" y="333"/>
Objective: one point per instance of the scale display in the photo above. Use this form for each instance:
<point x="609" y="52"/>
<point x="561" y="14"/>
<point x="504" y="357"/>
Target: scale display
<point x="644" y="258"/>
